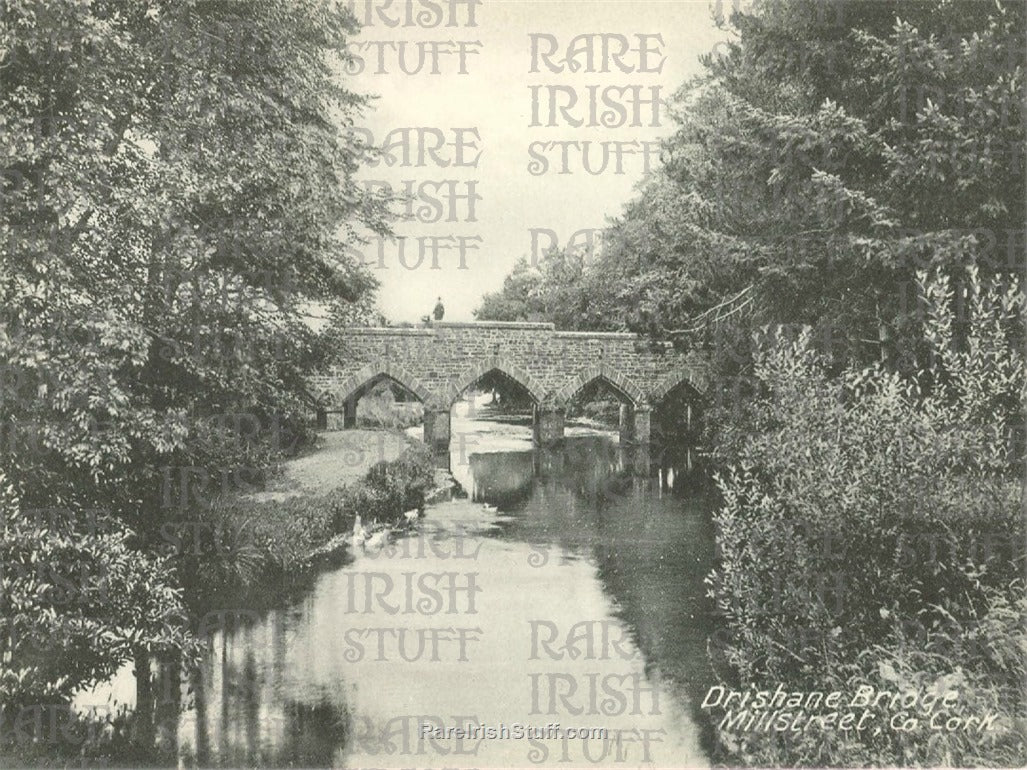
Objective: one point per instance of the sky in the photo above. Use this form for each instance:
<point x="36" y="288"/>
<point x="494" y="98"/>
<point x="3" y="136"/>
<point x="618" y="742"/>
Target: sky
<point x="503" y="90"/>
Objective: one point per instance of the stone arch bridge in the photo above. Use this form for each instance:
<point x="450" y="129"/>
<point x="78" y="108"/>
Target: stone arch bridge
<point x="437" y="363"/>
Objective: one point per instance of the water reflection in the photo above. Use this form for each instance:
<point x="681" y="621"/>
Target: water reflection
<point x="564" y="589"/>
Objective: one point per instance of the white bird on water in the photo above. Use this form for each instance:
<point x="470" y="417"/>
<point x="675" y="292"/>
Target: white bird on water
<point x="411" y="515"/>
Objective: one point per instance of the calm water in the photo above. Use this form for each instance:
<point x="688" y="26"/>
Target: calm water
<point x="562" y="589"/>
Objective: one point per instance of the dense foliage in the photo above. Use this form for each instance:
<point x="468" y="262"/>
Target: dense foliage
<point x="76" y="599"/>
<point x="831" y="152"/>
<point x="176" y="188"/>
<point x="827" y="153"/>
<point x="872" y="533"/>
<point x="557" y="289"/>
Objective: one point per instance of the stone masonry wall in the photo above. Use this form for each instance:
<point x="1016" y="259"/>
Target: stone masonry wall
<point x="438" y="362"/>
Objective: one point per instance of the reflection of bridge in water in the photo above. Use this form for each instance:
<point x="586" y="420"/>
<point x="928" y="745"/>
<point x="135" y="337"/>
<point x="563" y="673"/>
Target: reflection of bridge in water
<point x="438" y="363"/>
<point x="507" y="479"/>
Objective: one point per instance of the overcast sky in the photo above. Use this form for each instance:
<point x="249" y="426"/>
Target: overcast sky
<point x="495" y="98"/>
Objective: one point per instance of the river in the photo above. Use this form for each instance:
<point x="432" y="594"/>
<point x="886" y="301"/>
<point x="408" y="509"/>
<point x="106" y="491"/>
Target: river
<point x="561" y="589"/>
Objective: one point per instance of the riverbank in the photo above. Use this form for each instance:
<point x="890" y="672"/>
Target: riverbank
<point x="338" y="458"/>
<point x="260" y="545"/>
<point x="252" y="551"/>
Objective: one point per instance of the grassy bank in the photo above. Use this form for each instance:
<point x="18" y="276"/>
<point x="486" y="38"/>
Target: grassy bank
<point x="274" y="539"/>
<point x="380" y="409"/>
<point x="603" y="414"/>
<point x="242" y="551"/>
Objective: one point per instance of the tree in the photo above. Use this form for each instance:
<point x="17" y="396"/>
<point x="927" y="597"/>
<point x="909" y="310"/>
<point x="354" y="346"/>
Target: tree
<point x="77" y="600"/>
<point x="177" y="188"/>
<point x="822" y="158"/>
<point x="556" y="289"/>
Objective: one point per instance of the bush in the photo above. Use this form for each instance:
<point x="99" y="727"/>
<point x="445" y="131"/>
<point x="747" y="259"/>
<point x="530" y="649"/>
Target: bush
<point x="76" y="602"/>
<point x="606" y="412"/>
<point x="244" y="542"/>
<point x="387" y="490"/>
<point x="871" y="532"/>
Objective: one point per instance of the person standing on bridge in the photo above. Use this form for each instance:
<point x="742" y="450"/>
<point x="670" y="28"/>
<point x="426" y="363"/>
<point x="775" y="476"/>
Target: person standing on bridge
<point x="440" y="310"/>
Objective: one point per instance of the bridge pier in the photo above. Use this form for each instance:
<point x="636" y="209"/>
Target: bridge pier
<point x="641" y="459"/>
<point x="642" y="424"/>
<point x="436" y="427"/>
<point x="349" y="413"/>
<point x="547" y="424"/>
<point x="635" y="424"/>
<point x="627" y="429"/>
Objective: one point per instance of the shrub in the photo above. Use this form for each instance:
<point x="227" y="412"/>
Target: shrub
<point x="244" y="541"/>
<point x="871" y="531"/>
<point x="379" y="409"/>
<point x="76" y="602"/>
<point x="606" y="412"/>
<point x="387" y="490"/>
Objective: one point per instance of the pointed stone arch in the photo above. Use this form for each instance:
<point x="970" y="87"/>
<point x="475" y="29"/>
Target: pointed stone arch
<point x="366" y="374"/>
<point x="685" y="375"/>
<point x="457" y="385"/>
<point x="622" y="384"/>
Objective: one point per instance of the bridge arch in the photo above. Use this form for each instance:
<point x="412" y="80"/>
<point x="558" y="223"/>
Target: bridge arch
<point x="625" y="387"/>
<point x="458" y="384"/>
<point x="436" y="362"/>
<point x="406" y="379"/>
<point x="685" y="375"/>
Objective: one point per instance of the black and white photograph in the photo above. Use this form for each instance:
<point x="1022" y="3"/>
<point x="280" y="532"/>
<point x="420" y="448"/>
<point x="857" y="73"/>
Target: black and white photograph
<point x="392" y="384"/>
